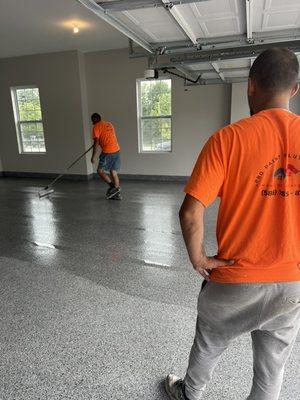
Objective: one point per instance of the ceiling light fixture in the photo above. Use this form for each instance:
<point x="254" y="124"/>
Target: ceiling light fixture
<point x="75" y="29"/>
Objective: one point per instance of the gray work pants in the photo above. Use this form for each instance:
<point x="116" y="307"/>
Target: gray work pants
<point x="271" y="312"/>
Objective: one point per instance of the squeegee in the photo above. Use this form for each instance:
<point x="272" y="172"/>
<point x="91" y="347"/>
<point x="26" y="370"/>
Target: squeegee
<point x="48" y="189"/>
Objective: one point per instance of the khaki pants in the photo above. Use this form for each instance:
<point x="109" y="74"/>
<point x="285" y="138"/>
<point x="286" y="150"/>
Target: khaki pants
<point x="271" y="312"/>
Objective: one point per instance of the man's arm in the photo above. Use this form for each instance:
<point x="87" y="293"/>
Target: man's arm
<point x="94" y="151"/>
<point x="192" y="225"/>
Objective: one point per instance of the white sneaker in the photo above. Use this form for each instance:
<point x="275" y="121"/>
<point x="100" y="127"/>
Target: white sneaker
<point x="174" y="387"/>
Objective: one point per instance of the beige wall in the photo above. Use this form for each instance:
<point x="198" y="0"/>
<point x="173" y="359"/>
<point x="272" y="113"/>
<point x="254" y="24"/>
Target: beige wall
<point x="197" y="113"/>
<point x="58" y="77"/>
<point x="239" y="102"/>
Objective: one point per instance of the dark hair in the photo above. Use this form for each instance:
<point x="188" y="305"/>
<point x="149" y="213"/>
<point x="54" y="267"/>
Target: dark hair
<point x="96" y="115"/>
<point x="275" y="69"/>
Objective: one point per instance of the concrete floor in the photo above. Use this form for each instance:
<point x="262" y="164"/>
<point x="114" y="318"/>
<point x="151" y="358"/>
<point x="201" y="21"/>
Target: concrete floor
<point x="97" y="298"/>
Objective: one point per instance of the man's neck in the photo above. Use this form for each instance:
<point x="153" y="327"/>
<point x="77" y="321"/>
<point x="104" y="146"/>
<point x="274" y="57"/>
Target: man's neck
<point x="279" y="102"/>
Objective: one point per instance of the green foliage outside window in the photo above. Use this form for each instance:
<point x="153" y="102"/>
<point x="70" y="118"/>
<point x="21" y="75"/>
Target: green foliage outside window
<point x="30" y="123"/>
<point x="156" y="104"/>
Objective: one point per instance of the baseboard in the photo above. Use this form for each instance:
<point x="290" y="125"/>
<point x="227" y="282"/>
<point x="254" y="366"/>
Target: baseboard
<point x="152" y="178"/>
<point x="81" y="177"/>
<point x="45" y="175"/>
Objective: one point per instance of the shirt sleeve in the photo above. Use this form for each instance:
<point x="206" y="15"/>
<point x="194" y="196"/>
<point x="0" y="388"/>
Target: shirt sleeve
<point x="206" y="181"/>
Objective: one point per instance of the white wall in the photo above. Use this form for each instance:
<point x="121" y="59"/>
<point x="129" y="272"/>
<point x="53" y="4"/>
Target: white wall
<point x="197" y="113"/>
<point x="85" y="112"/>
<point x="239" y="102"/>
<point x="58" y="77"/>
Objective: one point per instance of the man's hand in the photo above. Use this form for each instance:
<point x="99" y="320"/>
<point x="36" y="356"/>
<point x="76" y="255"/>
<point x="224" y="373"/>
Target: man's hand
<point x="207" y="264"/>
<point x="92" y="160"/>
<point x="191" y="219"/>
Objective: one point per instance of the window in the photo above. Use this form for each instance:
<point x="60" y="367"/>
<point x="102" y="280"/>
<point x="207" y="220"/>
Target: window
<point x="155" y="115"/>
<point x="28" y="117"/>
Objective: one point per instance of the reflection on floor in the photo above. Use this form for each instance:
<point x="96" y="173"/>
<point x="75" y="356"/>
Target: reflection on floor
<point x="97" y="298"/>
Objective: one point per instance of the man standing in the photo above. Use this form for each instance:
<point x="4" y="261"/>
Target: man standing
<point x="109" y="161"/>
<point x="254" y="281"/>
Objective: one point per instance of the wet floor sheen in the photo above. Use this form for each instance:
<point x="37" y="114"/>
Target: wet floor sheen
<point x="97" y="298"/>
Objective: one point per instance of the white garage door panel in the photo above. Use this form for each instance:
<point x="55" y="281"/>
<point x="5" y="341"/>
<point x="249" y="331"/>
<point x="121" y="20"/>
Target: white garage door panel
<point x="239" y="63"/>
<point x="153" y="24"/>
<point x="223" y="27"/>
<point x="214" y="18"/>
<point x="272" y="15"/>
<point x="236" y="74"/>
<point x="216" y="7"/>
<point x="280" y="20"/>
<point x="283" y="4"/>
<point x="199" y="66"/>
<point x="210" y="75"/>
<point x="211" y="18"/>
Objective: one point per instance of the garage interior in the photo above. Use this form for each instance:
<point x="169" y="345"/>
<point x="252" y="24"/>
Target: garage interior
<point x="98" y="298"/>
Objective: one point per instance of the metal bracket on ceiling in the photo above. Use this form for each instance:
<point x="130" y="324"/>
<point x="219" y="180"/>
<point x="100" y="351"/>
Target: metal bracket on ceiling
<point x="180" y="20"/>
<point x="128" y="5"/>
<point x="249" y="21"/>
<point x="169" y="5"/>
<point x="185" y="78"/>
<point x="217" y="70"/>
<point x="161" y="50"/>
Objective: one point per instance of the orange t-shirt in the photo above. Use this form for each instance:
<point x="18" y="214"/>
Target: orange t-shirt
<point x="253" y="165"/>
<point x="105" y="133"/>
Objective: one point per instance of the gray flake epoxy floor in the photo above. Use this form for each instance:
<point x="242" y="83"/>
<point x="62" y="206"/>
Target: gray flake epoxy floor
<point x="98" y="300"/>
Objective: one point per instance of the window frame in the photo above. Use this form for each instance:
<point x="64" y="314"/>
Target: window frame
<point x="15" y="104"/>
<point x="140" y="117"/>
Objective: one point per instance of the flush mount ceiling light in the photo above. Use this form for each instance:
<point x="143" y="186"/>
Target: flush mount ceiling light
<point x="74" y="26"/>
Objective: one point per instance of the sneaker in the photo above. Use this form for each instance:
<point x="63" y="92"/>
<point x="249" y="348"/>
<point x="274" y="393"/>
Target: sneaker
<point x="109" y="191"/>
<point x="175" y="388"/>
<point x="117" y="196"/>
<point x="112" y="192"/>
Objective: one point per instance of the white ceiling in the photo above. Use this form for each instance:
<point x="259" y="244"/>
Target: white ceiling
<point x="41" y="26"/>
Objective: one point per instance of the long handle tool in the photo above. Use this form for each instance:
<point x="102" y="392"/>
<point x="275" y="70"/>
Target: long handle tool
<point x="48" y="189"/>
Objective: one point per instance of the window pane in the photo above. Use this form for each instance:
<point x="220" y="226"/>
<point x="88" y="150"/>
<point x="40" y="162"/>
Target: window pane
<point x="155" y="109"/>
<point x="156" y="97"/>
<point x="29" y="104"/>
<point x="156" y="134"/>
<point x="32" y="137"/>
<point x="29" y="119"/>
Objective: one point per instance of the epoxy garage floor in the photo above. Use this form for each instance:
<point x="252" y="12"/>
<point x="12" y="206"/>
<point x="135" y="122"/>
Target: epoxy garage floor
<point x="97" y="298"/>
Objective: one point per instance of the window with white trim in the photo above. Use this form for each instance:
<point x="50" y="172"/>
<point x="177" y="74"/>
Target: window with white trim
<point x="28" y="118"/>
<point x="155" y="115"/>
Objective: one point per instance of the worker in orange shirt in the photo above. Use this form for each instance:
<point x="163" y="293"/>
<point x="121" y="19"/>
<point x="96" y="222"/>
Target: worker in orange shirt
<point x="254" y="281"/>
<point x="109" y="160"/>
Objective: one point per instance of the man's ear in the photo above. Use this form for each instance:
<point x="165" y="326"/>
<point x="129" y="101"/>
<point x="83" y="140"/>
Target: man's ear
<point x="295" y="90"/>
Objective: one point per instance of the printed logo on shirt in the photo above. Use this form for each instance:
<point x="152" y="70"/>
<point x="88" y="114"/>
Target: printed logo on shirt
<point x="283" y="183"/>
<point x="283" y="173"/>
